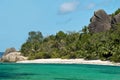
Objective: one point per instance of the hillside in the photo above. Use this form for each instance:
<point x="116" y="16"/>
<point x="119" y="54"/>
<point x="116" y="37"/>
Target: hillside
<point x="99" y="40"/>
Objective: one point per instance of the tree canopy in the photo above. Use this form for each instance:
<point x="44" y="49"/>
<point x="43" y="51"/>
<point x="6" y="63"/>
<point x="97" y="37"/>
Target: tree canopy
<point x="102" y="45"/>
<point x="116" y="12"/>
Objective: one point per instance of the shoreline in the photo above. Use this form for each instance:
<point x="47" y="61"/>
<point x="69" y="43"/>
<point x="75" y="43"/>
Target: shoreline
<point x="70" y="61"/>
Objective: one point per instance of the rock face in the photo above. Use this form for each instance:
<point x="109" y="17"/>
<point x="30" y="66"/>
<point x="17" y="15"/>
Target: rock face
<point x="9" y="50"/>
<point x="13" y="57"/>
<point x="100" y="22"/>
<point x="116" y="19"/>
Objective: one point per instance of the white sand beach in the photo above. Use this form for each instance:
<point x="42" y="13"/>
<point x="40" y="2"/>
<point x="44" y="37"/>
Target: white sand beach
<point x="70" y="61"/>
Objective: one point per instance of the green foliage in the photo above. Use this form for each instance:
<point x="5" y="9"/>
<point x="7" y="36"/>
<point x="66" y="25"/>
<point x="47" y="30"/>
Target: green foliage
<point x="104" y="45"/>
<point x="39" y="55"/>
<point x="32" y="45"/>
<point x="116" y="12"/>
<point x="35" y="37"/>
<point x="85" y="30"/>
<point x="60" y="35"/>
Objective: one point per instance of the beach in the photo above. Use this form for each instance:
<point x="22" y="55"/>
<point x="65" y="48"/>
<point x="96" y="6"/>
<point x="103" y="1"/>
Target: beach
<point x="70" y="61"/>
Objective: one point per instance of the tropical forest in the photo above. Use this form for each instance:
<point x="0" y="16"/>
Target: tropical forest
<point x="98" y="40"/>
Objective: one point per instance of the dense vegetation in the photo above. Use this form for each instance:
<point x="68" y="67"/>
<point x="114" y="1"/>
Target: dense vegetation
<point x="104" y="45"/>
<point x="116" y="12"/>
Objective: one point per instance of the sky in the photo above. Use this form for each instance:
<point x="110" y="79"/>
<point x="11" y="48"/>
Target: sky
<point x="18" y="17"/>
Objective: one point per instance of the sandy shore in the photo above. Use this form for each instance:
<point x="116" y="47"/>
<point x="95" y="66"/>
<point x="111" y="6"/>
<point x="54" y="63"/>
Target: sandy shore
<point x="70" y="61"/>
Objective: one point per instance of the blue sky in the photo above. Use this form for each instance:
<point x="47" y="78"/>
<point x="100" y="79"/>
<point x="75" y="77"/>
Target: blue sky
<point x="18" y="17"/>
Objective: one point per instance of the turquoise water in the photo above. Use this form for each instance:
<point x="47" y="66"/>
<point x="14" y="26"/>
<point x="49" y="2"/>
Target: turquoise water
<point x="15" y="71"/>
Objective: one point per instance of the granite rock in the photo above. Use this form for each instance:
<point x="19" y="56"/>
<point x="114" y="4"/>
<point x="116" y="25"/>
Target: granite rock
<point x="100" y="22"/>
<point x="13" y="57"/>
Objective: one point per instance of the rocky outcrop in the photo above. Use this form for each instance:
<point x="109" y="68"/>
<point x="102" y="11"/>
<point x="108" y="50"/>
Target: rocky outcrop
<point x="13" y="57"/>
<point x="100" y="22"/>
<point x="9" y="50"/>
<point x="116" y="19"/>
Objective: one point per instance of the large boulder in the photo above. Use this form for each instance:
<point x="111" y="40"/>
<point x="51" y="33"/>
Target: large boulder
<point x="9" y="50"/>
<point x="100" y="22"/>
<point x="13" y="57"/>
<point x="116" y="19"/>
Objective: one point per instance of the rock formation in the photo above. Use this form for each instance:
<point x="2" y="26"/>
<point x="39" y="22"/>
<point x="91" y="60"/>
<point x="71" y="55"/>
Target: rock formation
<point x="11" y="55"/>
<point x="100" y="22"/>
<point x="116" y="19"/>
<point x="9" y="50"/>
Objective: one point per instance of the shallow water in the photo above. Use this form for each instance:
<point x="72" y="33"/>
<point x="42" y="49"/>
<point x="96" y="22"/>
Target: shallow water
<point x="13" y="71"/>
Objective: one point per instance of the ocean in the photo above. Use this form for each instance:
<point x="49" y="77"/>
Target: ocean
<point x="17" y="71"/>
<point x="1" y="53"/>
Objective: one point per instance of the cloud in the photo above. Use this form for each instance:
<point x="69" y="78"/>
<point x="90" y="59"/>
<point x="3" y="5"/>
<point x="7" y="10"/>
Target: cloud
<point x="68" y="7"/>
<point x="94" y="5"/>
<point x="106" y="2"/>
<point x="91" y="5"/>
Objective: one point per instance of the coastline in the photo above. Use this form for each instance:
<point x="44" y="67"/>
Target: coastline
<point x="70" y="61"/>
